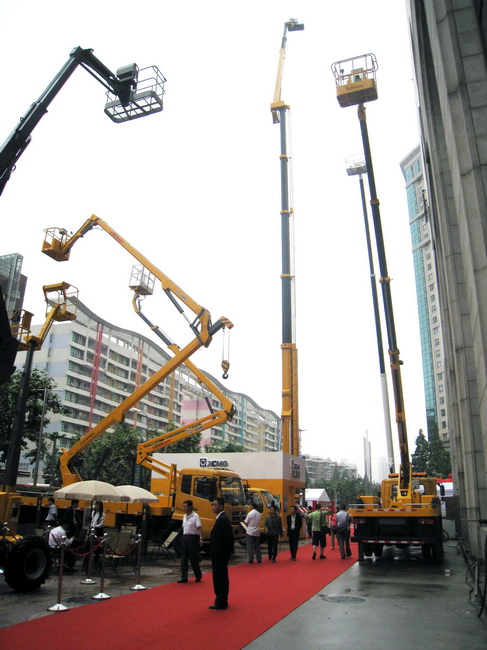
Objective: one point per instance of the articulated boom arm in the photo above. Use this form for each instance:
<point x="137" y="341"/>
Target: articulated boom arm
<point x="68" y="472"/>
<point x="58" y="245"/>
<point x="123" y="86"/>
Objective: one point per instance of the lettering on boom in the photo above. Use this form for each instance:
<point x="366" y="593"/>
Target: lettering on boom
<point x="295" y="469"/>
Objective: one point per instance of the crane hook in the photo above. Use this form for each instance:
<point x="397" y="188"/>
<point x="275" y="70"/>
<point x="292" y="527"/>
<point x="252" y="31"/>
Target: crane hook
<point x="225" y="368"/>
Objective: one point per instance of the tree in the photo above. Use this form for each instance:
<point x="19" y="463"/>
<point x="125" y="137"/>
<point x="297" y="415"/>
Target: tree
<point x="420" y="457"/>
<point x="39" y="381"/>
<point x="189" y="445"/>
<point x="439" y="462"/>
<point x="224" y="448"/>
<point x="111" y="457"/>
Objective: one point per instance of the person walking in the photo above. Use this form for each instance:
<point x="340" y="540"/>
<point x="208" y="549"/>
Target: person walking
<point x="318" y="522"/>
<point x="191" y="542"/>
<point x="252" y="523"/>
<point x="273" y="531"/>
<point x="221" y="549"/>
<point x="343" y="532"/>
<point x="294" y="522"/>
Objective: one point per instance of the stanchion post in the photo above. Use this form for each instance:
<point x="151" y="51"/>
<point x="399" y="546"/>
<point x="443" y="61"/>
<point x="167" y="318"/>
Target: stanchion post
<point x="138" y="586"/>
<point x="102" y="595"/>
<point x="88" y="580"/>
<point x="59" y="607"/>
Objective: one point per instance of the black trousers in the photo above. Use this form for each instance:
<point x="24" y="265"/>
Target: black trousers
<point x="190" y="550"/>
<point x="272" y="546"/>
<point x="293" y="542"/>
<point x="221" y="583"/>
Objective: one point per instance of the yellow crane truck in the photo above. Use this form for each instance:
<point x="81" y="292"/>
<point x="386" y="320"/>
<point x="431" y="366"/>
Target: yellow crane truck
<point x="408" y="511"/>
<point x="173" y="486"/>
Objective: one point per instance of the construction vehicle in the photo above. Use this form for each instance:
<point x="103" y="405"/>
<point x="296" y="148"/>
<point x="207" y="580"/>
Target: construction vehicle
<point x="408" y="511"/>
<point x="289" y="413"/>
<point x="26" y="560"/>
<point x="175" y="485"/>
<point x="131" y="93"/>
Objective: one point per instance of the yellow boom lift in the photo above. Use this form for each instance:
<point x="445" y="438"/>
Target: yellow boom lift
<point x="58" y="245"/>
<point x="408" y="512"/>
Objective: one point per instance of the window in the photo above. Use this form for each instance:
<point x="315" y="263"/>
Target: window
<point x="186" y="484"/>
<point x="440" y="388"/>
<point x="439" y="376"/>
<point x="205" y="488"/>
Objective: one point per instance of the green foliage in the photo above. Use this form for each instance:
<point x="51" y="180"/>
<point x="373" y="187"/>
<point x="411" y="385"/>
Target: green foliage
<point x="420" y="457"/>
<point x="189" y="445"/>
<point x="224" y="448"/>
<point x="439" y="462"/>
<point x="9" y="392"/>
<point x="431" y="456"/>
<point x="111" y="457"/>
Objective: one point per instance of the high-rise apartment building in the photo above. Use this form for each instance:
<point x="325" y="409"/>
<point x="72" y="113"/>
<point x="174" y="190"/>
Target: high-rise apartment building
<point x="96" y="365"/>
<point x="427" y="293"/>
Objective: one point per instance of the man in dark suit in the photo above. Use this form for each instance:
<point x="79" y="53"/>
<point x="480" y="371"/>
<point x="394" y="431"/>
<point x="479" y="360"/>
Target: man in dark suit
<point x="294" y="523"/>
<point x="221" y="549"/>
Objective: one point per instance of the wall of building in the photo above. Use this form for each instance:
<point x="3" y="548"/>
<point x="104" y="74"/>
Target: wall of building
<point x="450" y="64"/>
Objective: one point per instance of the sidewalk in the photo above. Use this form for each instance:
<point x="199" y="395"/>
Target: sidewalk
<point x="384" y="604"/>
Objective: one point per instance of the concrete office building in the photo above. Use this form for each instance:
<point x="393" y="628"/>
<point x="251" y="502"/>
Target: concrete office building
<point x="450" y="60"/>
<point x="431" y="334"/>
<point x="96" y="365"/>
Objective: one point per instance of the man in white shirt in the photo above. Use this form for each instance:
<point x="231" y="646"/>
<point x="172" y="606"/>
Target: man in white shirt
<point x="65" y="529"/>
<point x="191" y="543"/>
<point x="252" y="523"/>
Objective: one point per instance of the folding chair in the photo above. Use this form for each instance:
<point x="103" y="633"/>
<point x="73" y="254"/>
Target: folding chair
<point x="165" y="547"/>
<point x="118" y="553"/>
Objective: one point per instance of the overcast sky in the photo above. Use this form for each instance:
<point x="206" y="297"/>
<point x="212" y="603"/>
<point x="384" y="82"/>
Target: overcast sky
<point x="196" y="188"/>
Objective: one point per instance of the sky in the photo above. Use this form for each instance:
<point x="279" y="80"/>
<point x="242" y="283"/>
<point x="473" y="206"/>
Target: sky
<point x="196" y="188"/>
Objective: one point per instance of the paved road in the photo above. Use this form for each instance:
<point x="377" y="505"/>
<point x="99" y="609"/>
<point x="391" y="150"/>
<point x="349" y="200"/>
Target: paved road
<point x="393" y="603"/>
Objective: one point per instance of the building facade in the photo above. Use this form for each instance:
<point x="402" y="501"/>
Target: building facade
<point x="323" y="469"/>
<point x="425" y="272"/>
<point x="12" y="282"/>
<point x="96" y="365"/>
<point x="450" y="61"/>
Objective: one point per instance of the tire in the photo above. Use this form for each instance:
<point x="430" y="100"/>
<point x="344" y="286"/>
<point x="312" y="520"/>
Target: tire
<point x="368" y="550"/>
<point x="445" y="535"/>
<point x="378" y="548"/>
<point x="27" y="564"/>
<point x="426" y="551"/>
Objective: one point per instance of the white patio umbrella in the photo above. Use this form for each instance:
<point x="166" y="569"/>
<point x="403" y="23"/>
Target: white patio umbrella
<point x="91" y="491"/>
<point x="135" y="494"/>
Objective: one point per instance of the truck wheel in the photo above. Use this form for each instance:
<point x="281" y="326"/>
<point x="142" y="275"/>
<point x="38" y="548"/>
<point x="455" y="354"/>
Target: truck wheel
<point x="437" y="550"/>
<point x="378" y="548"/>
<point x="27" y="564"/>
<point x="368" y="550"/>
<point x="426" y="551"/>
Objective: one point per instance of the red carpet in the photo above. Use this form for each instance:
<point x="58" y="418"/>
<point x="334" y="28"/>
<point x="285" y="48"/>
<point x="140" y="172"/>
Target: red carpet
<point x="177" y="615"/>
